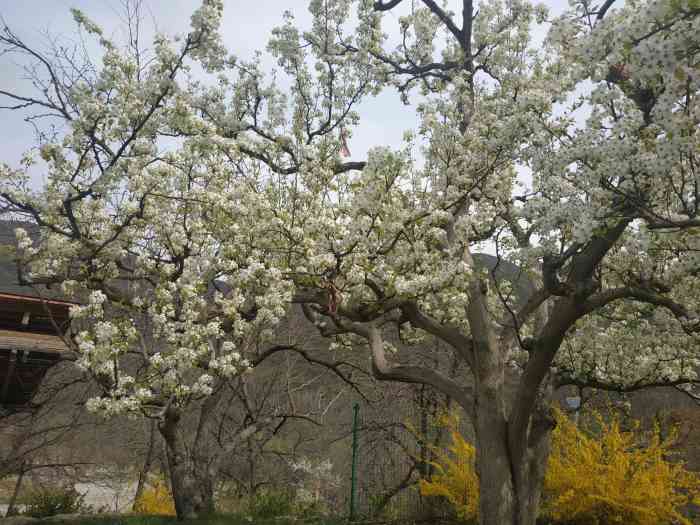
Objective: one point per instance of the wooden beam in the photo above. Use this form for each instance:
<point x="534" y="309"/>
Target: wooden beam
<point x="31" y="342"/>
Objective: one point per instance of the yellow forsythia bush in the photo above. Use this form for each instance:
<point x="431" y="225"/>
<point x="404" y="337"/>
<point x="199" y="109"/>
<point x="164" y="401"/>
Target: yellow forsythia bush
<point x="156" y="499"/>
<point x="455" y="476"/>
<point x="615" y="477"/>
<point x="610" y="477"/>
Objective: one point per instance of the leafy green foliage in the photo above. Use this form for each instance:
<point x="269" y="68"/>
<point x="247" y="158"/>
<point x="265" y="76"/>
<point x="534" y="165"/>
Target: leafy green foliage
<point x="268" y="504"/>
<point x="42" y="503"/>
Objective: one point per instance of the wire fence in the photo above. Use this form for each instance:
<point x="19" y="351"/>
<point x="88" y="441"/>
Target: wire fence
<point x="392" y="451"/>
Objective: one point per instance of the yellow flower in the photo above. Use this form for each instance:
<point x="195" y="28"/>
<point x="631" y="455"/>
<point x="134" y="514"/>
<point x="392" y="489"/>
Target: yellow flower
<point x="156" y="499"/>
<point x="595" y="478"/>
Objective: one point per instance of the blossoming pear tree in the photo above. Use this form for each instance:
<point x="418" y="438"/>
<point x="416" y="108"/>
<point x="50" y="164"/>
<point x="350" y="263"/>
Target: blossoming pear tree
<point x="574" y="161"/>
<point x="604" y="119"/>
<point x="159" y="240"/>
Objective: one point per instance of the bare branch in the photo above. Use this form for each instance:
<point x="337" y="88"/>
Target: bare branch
<point x="411" y="374"/>
<point x="381" y="6"/>
<point x="445" y="19"/>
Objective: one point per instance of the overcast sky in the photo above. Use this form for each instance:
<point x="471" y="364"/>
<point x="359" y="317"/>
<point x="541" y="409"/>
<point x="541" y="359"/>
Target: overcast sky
<point x="246" y="28"/>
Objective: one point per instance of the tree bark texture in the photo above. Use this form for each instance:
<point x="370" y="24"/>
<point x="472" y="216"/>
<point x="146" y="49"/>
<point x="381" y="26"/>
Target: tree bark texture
<point x="189" y="502"/>
<point x="509" y="490"/>
<point x="146" y="468"/>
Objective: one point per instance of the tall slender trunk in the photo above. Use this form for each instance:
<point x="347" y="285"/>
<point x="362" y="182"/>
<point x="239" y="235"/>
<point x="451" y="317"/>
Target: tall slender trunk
<point x="497" y="494"/>
<point x="11" y="510"/>
<point x="193" y="474"/>
<point x="510" y="458"/>
<point x="206" y="457"/>
<point x="146" y="468"/>
<point x="530" y="478"/>
<point x="187" y="497"/>
<point x="497" y="497"/>
<point x="206" y="479"/>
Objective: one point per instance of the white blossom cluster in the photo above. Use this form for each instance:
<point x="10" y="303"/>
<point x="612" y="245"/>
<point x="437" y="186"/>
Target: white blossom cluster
<point x="315" y="479"/>
<point x="159" y="243"/>
<point x="188" y="251"/>
<point x="634" y="348"/>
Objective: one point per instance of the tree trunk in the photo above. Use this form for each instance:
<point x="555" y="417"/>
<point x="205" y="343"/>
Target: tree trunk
<point x="206" y="478"/>
<point x="497" y="498"/>
<point x="508" y="494"/>
<point x="205" y="460"/>
<point x="510" y="491"/>
<point x="11" y="510"/>
<point x="510" y="461"/>
<point x="146" y="468"/>
<point x="193" y="475"/>
<point x="186" y="494"/>
<point x="497" y="494"/>
<point x="530" y="474"/>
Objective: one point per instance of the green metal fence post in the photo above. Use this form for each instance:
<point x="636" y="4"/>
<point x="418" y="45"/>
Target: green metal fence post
<point x="353" y="478"/>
